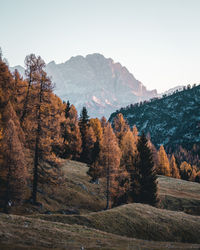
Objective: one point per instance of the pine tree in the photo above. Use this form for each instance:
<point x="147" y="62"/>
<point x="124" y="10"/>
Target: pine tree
<point x="147" y="175"/>
<point x="67" y="109"/>
<point x="163" y="162"/>
<point x="174" y="168"/>
<point x="84" y="125"/>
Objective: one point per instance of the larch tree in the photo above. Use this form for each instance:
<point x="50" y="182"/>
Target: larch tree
<point x="96" y="126"/>
<point x="43" y="91"/>
<point x="187" y="171"/>
<point x="163" y="167"/>
<point x="71" y="135"/>
<point x="174" y="169"/>
<point x="148" y="192"/>
<point x="31" y="63"/>
<point x="14" y="170"/>
<point x="103" y="122"/>
<point x="110" y="155"/>
<point x="128" y="148"/>
<point x="90" y="141"/>
<point x="54" y="118"/>
<point x="95" y="170"/>
<point x="13" y="167"/>
<point x="127" y="166"/>
<point x="120" y="127"/>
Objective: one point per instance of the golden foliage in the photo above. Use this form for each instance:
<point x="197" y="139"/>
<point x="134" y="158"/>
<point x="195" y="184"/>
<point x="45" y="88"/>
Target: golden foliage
<point x="163" y="167"/>
<point x="96" y="126"/>
<point x="187" y="171"/>
<point x="120" y="127"/>
<point x="110" y="155"/>
<point x="174" y="169"/>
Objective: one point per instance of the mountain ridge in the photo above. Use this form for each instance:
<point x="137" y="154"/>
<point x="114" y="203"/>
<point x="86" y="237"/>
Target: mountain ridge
<point x="96" y="82"/>
<point x="171" y="121"/>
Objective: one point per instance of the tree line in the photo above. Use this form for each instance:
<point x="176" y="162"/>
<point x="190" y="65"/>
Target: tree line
<point x="37" y="127"/>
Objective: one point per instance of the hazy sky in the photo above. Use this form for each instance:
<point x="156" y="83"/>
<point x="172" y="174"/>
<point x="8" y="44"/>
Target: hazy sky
<point x="157" y="40"/>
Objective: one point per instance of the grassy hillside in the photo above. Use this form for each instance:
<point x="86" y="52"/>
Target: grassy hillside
<point x="78" y="195"/>
<point x="75" y="195"/>
<point x="132" y="226"/>
<point x="138" y="221"/>
<point x="18" y="232"/>
<point x="179" y="195"/>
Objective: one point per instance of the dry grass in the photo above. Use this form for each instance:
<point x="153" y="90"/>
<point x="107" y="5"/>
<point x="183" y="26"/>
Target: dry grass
<point x="79" y="194"/>
<point x="138" y="221"/>
<point x="113" y="229"/>
<point x="18" y="232"/>
<point x="179" y="195"/>
<point x="76" y="193"/>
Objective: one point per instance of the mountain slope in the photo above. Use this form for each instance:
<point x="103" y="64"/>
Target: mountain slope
<point x="97" y="83"/>
<point x="172" y="120"/>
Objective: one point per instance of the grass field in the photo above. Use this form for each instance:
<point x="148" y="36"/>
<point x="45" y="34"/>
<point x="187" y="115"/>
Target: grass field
<point x="138" y="221"/>
<point x="131" y="226"/>
<point x="19" y="232"/>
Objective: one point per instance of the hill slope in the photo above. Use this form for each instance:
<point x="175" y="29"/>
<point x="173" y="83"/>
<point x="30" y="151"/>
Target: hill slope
<point x="19" y="232"/>
<point x="172" y="120"/>
<point x="113" y="229"/>
<point x="78" y="195"/>
<point x="138" y="221"/>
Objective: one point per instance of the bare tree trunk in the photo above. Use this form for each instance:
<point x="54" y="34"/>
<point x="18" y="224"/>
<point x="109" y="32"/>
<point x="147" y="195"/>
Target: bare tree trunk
<point x="36" y="158"/>
<point x="108" y="188"/>
<point x="7" y="193"/>
<point x="26" y="102"/>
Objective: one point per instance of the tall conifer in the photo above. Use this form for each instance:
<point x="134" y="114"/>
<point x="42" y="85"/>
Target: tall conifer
<point x="147" y="175"/>
<point x="84" y="125"/>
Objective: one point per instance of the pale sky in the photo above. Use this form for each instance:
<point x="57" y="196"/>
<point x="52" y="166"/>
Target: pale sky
<point x="157" y="40"/>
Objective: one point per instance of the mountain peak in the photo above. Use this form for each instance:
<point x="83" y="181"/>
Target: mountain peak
<point x="98" y="83"/>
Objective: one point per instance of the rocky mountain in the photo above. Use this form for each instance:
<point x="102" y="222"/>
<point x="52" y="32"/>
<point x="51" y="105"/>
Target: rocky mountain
<point x="19" y="68"/>
<point x="172" y="120"/>
<point x="97" y="83"/>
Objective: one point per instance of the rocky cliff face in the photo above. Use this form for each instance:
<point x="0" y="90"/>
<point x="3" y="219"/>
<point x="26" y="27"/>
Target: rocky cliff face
<point x="97" y="83"/>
